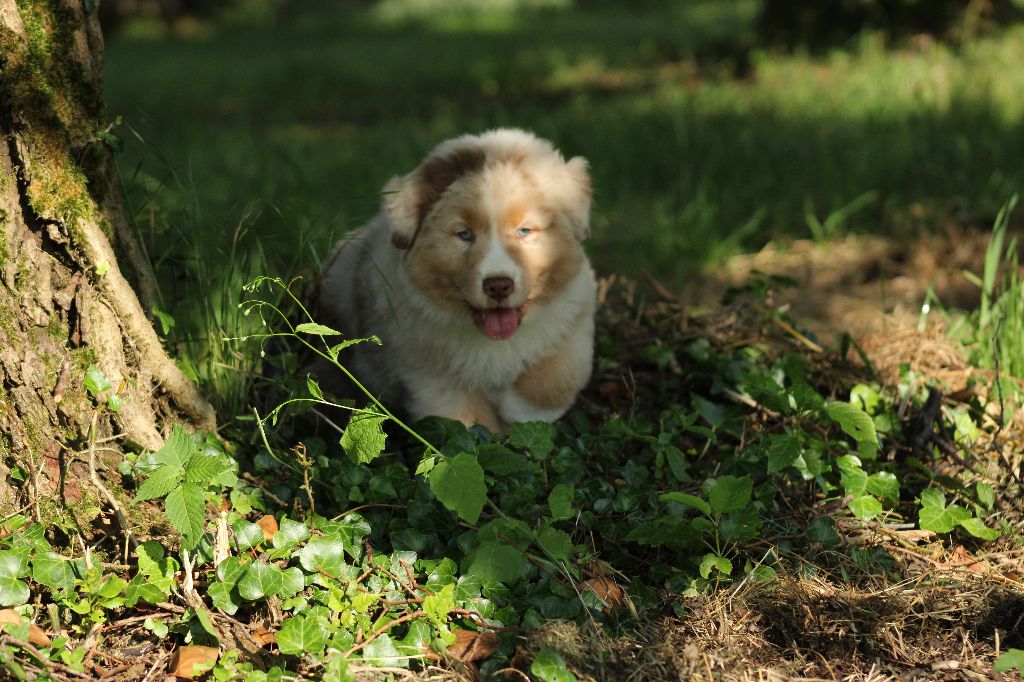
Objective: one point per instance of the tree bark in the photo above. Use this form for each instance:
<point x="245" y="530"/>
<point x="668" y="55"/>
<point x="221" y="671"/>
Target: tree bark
<point x="64" y="302"/>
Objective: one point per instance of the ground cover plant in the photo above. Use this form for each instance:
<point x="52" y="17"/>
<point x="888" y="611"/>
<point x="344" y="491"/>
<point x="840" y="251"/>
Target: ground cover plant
<point x="732" y="497"/>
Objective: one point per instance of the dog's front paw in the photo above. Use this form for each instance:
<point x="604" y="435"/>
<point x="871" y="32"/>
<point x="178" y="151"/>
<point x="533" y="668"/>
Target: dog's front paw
<point x="513" y="408"/>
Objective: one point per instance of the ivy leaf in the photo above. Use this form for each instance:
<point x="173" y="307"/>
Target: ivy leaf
<point x="865" y="507"/>
<point x="302" y="635"/>
<point x="186" y="509"/>
<point x="537" y="437"/>
<point x="729" y="493"/>
<point x="13" y="591"/>
<point x="549" y="666"/>
<point x="978" y="529"/>
<point x="247" y="534"/>
<point x="290" y="534"/>
<point x="293" y="582"/>
<point x="96" y="381"/>
<point x="560" y="502"/>
<point x="986" y="494"/>
<point x="497" y="459"/>
<point x="458" y="483"/>
<point x="261" y="580"/>
<point x="885" y="485"/>
<point x="437" y="606"/>
<point x="363" y="439"/>
<point x="555" y="543"/>
<point x="1008" y="660"/>
<point x="382" y="652"/>
<point x="711" y="562"/>
<point x="162" y="481"/>
<point x="314" y="328"/>
<point x="231" y="570"/>
<point x="53" y="571"/>
<point x="496" y="560"/>
<point x="935" y="516"/>
<point x="854" y="421"/>
<point x="13" y="565"/>
<point x="323" y="554"/>
<point x="223" y="598"/>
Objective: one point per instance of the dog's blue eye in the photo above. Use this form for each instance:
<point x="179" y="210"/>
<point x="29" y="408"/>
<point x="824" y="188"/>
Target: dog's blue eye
<point x="465" y="235"/>
<point x="522" y="232"/>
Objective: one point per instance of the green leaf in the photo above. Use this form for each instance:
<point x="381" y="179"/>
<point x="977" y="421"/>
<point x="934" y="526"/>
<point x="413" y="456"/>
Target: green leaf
<point x="557" y="545"/>
<point x="1008" y="660"/>
<point x="223" y="597"/>
<point x="437" y="606"/>
<point x="865" y="507"/>
<point x="885" y="485"/>
<point x="140" y="588"/>
<point x="729" y="493"/>
<point x="231" y="570"/>
<point x="203" y="469"/>
<point x="178" y="449"/>
<point x="53" y="571"/>
<point x="162" y="481"/>
<point x="497" y="459"/>
<point x="549" y="666"/>
<point x="935" y="516"/>
<point x="560" y="502"/>
<point x="14" y="563"/>
<point x="363" y="439"/>
<point x="496" y="560"/>
<point x="857" y="423"/>
<point x="13" y="591"/>
<point x="261" y="580"/>
<point x="986" y="495"/>
<point x="247" y="534"/>
<point x="313" y="387"/>
<point x="382" y="652"/>
<point x="302" y="635"/>
<point x="712" y="562"/>
<point x="186" y="509"/>
<point x="782" y="452"/>
<point x="854" y="478"/>
<point x="96" y="381"/>
<point x="290" y="533"/>
<point x="689" y="501"/>
<point x="334" y="351"/>
<point x="458" y="483"/>
<point x="537" y="437"/>
<point x="978" y="529"/>
<point x="323" y="554"/>
<point x="293" y="583"/>
<point x="314" y="328"/>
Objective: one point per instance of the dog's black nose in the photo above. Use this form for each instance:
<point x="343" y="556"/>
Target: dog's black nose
<point x="498" y="288"/>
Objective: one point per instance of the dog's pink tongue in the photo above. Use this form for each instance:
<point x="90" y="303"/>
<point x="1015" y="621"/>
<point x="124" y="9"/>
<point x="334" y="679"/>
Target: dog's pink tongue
<point x="500" y="323"/>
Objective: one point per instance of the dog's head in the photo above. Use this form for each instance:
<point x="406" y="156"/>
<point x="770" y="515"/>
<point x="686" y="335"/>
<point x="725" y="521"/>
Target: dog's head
<point x="492" y="225"/>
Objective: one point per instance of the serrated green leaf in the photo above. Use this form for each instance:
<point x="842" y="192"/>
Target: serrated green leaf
<point x="335" y="350"/>
<point x="729" y="493"/>
<point x="854" y="478"/>
<point x="549" y="666"/>
<point x="159" y="483"/>
<point x="301" y="635"/>
<point x="865" y="507"/>
<point x="203" y="469"/>
<point x="495" y="560"/>
<point x="261" y="580"/>
<point x="557" y="545"/>
<point x="560" y="502"/>
<point x="315" y="328"/>
<point x="186" y="509"/>
<point x="978" y="529"/>
<point x="313" y="387"/>
<point x="458" y="483"/>
<point x="177" y="450"/>
<point x="96" y="381"/>
<point x="712" y="562"/>
<point x="537" y="437"/>
<point x="782" y="452"/>
<point x="690" y="501"/>
<point x="854" y="421"/>
<point x="363" y="439"/>
<point x="290" y="534"/>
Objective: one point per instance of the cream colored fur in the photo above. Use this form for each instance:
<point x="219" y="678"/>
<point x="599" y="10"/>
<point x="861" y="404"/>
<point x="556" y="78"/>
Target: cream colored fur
<point x="410" y="279"/>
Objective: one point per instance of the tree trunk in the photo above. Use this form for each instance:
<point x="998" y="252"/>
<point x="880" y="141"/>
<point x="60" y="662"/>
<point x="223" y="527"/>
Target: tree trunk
<point x="64" y="303"/>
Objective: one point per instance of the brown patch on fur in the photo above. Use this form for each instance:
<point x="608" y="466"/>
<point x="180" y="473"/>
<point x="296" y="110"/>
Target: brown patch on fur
<point x="437" y="174"/>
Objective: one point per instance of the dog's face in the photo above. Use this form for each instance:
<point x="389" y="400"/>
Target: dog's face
<point x="491" y="226"/>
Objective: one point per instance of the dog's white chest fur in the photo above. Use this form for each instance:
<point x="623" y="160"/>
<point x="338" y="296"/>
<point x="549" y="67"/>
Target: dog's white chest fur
<point x="474" y="278"/>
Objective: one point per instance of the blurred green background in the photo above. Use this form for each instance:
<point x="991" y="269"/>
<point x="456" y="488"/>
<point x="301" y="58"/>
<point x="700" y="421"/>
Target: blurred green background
<point x="257" y="132"/>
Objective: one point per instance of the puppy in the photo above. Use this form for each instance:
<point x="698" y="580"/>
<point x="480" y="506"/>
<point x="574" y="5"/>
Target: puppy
<point x="474" y="278"/>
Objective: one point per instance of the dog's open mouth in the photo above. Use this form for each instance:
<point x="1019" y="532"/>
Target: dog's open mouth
<point x="498" y="323"/>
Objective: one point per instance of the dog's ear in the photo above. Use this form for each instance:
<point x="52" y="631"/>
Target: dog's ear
<point x="408" y="199"/>
<point x="574" y="194"/>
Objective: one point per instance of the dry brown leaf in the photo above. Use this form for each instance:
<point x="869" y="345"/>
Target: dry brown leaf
<point x="262" y="636"/>
<point x="190" y="662"/>
<point x="472" y="646"/>
<point x="269" y="525"/>
<point x="605" y="588"/>
<point x="961" y="558"/>
<point x="36" y="635"/>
